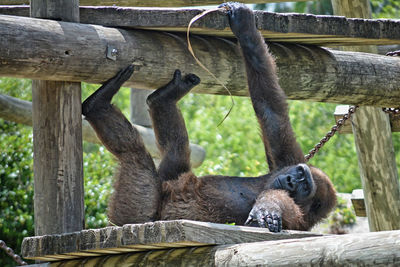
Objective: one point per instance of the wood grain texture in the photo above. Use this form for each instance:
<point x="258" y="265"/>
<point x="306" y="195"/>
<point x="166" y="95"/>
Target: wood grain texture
<point x="57" y="141"/>
<point x="148" y="3"/>
<point x="57" y="157"/>
<point x="373" y="139"/>
<point x="276" y="27"/>
<point x="78" y="53"/>
<point x="357" y="199"/>
<point x="144" y="237"/>
<point x="367" y="249"/>
<point x="20" y="111"/>
<point x="378" y="169"/>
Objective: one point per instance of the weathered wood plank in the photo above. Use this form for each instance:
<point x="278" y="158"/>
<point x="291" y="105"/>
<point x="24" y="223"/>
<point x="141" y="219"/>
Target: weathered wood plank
<point x="147" y="3"/>
<point x="147" y="236"/>
<point x="276" y="27"/>
<point x="374" y="145"/>
<point x="378" y="169"/>
<point x="57" y="141"/>
<point x="20" y="111"/>
<point x="77" y="52"/>
<point x="357" y="199"/>
<point x="366" y="249"/>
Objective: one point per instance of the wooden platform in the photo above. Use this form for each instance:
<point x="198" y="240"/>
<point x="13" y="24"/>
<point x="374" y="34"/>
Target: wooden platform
<point x="189" y="243"/>
<point x="145" y="237"/>
<point x="276" y="27"/>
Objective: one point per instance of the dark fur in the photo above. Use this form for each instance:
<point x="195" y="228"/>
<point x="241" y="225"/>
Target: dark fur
<point x="143" y="193"/>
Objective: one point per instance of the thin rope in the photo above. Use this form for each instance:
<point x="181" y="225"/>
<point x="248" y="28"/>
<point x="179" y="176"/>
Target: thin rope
<point x="197" y="17"/>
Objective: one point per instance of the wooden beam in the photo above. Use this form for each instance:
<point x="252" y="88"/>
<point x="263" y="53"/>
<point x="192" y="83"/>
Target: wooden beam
<point x="373" y="139"/>
<point x="144" y="237"/>
<point x="276" y="27"/>
<point x="188" y="243"/>
<point x="77" y="52"/>
<point x="20" y="111"/>
<point x="148" y="3"/>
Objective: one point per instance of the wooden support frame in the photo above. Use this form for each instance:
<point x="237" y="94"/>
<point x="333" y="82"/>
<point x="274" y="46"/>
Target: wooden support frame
<point x="275" y="27"/>
<point x="190" y="243"/>
<point x="78" y="53"/>
<point x="148" y="3"/>
<point x="57" y="141"/>
<point x="373" y="138"/>
<point x="146" y="236"/>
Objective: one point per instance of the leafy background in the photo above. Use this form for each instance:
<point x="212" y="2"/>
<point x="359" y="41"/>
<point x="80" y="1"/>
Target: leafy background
<point x="233" y="148"/>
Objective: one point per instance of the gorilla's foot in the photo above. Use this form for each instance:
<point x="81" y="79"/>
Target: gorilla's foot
<point x="102" y="97"/>
<point x="174" y="90"/>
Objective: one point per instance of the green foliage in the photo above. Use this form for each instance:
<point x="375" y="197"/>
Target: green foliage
<point x="321" y="7"/>
<point x="385" y="8"/>
<point x="20" y="88"/>
<point x="16" y="192"/>
<point x="342" y="217"/>
<point x="233" y="148"/>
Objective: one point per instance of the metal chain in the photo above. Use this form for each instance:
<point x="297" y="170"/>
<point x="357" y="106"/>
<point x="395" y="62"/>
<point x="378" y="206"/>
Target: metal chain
<point x="11" y="253"/>
<point x="392" y="111"/>
<point x="393" y="53"/>
<point x="340" y="123"/>
<point x="331" y="133"/>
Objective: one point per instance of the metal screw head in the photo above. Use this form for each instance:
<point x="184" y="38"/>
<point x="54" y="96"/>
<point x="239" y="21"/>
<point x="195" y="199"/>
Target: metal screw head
<point x="112" y="52"/>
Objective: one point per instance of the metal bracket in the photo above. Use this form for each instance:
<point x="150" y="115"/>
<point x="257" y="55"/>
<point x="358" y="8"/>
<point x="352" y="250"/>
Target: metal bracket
<point x="112" y="52"/>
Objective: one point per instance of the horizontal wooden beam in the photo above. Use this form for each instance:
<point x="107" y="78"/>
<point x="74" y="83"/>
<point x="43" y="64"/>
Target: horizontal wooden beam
<point x="52" y="50"/>
<point x="20" y="111"/>
<point x="148" y="3"/>
<point x="189" y="243"/>
<point x="276" y="27"/>
<point x="144" y="237"/>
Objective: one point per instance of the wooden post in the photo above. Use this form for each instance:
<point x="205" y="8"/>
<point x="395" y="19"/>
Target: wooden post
<point x="57" y="139"/>
<point x="139" y="109"/>
<point x="373" y="138"/>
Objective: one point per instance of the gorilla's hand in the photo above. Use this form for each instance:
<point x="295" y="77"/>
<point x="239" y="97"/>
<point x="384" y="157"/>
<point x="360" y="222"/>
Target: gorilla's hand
<point x="241" y="19"/>
<point x="265" y="217"/>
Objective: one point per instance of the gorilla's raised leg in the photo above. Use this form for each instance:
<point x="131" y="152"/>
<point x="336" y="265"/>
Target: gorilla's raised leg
<point x="169" y="126"/>
<point x="137" y="187"/>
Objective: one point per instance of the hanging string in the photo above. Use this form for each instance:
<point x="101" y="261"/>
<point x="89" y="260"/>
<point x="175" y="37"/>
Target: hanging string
<point x="197" y="17"/>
